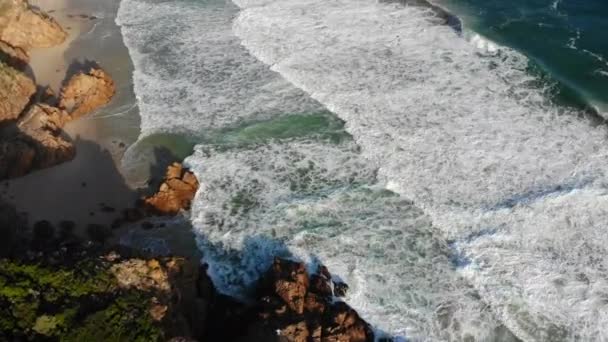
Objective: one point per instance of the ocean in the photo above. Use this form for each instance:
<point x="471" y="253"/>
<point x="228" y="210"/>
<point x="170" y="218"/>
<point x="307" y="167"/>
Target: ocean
<point x="452" y="175"/>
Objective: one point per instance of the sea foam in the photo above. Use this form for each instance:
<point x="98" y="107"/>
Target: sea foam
<point x="513" y="185"/>
<point x="515" y="182"/>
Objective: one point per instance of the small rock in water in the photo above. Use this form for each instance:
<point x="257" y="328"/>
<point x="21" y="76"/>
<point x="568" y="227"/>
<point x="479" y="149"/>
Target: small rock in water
<point x="340" y="289"/>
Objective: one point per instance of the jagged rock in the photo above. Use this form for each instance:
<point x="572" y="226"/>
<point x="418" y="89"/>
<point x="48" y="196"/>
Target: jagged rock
<point x="41" y="126"/>
<point x="340" y="289"/>
<point x="142" y="275"/>
<point x="175" y="193"/>
<point x="289" y="280"/>
<point x="26" y="27"/>
<point x="85" y="93"/>
<point x="16" y="89"/>
<point x="14" y="56"/>
<point x="298" y="308"/>
<point x="320" y="285"/>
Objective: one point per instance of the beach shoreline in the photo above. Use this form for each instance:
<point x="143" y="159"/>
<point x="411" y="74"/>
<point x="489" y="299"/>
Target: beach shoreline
<point x="79" y="189"/>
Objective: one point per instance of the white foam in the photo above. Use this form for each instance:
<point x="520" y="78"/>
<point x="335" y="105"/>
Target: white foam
<point x="468" y="137"/>
<point x="399" y="273"/>
<point x="516" y="183"/>
<point x="191" y="74"/>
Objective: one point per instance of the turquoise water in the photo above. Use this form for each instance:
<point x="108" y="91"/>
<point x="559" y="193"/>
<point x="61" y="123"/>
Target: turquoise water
<point x="567" y="39"/>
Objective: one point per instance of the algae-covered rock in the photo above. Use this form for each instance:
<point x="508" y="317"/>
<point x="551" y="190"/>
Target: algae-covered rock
<point x="82" y="302"/>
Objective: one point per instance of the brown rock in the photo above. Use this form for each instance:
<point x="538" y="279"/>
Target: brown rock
<point x="175" y="193"/>
<point x="41" y="125"/>
<point x="13" y="56"/>
<point x="320" y="285"/>
<point x="297" y="332"/>
<point x="302" y="309"/>
<point x="314" y="304"/>
<point x="85" y="93"/>
<point x="174" y="171"/>
<point x="344" y="324"/>
<point x="158" y="311"/>
<point x="16" y="89"/>
<point x="26" y="27"/>
<point x="142" y="275"/>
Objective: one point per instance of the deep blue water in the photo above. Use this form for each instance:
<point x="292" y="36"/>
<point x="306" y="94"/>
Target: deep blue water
<point x="567" y="39"/>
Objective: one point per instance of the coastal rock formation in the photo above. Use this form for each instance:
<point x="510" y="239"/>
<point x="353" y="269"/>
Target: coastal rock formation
<point x="22" y="26"/>
<point x="35" y="142"/>
<point x="14" y="56"/>
<point x="300" y="308"/>
<point x="16" y="90"/>
<point x="175" y="193"/>
<point x="85" y="93"/>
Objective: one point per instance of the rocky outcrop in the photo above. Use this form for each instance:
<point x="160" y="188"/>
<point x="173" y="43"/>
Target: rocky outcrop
<point x="294" y="306"/>
<point x="31" y="138"/>
<point x="85" y="93"/>
<point x="24" y="27"/>
<point x="175" y="193"/>
<point x="35" y="142"/>
<point x="13" y="56"/>
<point x="16" y="90"/>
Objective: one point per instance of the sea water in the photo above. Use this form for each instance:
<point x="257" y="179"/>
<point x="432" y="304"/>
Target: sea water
<point x="435" y="170"/>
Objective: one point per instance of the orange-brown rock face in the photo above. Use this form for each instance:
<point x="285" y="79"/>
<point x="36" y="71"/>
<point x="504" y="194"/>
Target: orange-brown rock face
<point x="13" y="56"/>
<point x="35" y="142"/>
<point x="302" y="309"/>
<point x="85" y="93"/>
<point x="16" y="89"/>
<point x="25" y="27"/>
<point x="176" y="192"/>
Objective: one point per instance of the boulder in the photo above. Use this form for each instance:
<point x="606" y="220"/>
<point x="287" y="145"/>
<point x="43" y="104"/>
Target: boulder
<point x="16" y="90"/>
<point x="25" y="27"/>
<point x="300" y="308"/>
<point x="14" y="56"/>
<point x="175" y="193"/>
<point x="34" y="142"/>
<point x="144" y="275"/>
<point x="85" y="93"/>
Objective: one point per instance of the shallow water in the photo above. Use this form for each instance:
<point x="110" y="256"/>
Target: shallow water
<point x="457" y="199"/>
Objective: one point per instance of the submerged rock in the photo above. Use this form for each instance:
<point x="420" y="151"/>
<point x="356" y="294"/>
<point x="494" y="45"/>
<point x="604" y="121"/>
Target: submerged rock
<point x="85" y="93"/>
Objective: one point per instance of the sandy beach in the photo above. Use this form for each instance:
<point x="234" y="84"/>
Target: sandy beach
<point x="91" y="188"/>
